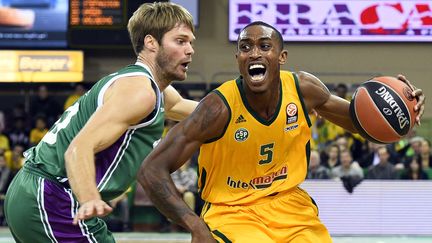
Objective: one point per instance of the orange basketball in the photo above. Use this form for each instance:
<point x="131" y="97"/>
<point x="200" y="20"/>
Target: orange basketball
<point x="382" y="109"/>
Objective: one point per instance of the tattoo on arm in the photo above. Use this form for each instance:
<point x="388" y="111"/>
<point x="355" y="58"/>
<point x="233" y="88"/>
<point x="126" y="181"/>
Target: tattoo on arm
<point x="165" y="199"/>
<point x="207" y="113"/>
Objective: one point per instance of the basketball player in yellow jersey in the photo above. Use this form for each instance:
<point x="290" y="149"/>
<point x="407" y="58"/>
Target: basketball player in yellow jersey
<point x="254" y="134"/>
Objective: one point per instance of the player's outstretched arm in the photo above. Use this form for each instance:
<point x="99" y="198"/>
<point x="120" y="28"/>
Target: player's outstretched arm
<point x="176" y="107"/>
<point x="206" y="122"/>
<point x="105" y="126"/>
<point x="317" y="97"/>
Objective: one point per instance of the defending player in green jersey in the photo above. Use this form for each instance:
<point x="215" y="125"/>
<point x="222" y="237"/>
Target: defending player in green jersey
<point x="93" y="152"/>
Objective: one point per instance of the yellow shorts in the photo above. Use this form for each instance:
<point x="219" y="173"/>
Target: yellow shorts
<point x="286" y="217"/>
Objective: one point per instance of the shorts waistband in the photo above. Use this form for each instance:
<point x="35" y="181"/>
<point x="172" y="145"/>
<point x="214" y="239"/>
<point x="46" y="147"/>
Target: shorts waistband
<point x="263" y="200"/>
<point x="273" y="196"/>
<point x="34" y="170"/>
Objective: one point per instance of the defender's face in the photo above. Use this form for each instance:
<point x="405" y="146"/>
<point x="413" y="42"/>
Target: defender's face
<point x="259" y="57"/>
<point x="175" y="52"/>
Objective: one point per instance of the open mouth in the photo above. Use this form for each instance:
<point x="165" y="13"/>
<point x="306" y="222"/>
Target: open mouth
<point x="257" y="71"/>
<point x="185" y="65"/>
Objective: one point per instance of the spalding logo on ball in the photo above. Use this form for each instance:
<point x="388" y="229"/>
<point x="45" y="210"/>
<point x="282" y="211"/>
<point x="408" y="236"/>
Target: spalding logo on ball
<point x="382" y="109"/>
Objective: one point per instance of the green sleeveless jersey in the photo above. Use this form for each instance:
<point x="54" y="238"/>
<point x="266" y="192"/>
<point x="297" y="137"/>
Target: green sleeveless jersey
<point x="116" y="166"/>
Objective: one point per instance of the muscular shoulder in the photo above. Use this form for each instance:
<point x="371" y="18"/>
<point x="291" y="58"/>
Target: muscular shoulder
<point x="132" y="95"/>
<point x="314" y="92"/>
<point x="210" y="117"/>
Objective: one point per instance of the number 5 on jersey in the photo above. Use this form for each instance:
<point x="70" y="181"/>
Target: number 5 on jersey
<point x="266" y="151"/>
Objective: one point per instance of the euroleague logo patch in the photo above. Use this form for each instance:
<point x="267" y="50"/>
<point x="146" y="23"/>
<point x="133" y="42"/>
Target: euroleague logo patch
<point x="241" y="134"/>
<point x="291" y="111"/>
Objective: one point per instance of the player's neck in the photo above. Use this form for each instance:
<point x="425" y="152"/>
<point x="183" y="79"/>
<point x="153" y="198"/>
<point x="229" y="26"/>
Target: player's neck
<point x="264" y="103"/>
<point x="156" y="72"/>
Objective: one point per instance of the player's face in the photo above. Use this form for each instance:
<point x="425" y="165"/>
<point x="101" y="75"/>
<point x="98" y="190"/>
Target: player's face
<point x="175" y="52"/>
<point x="259" y="57"/>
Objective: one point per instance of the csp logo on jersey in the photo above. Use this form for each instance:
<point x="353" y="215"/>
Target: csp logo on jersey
<point x="241" y="134"/>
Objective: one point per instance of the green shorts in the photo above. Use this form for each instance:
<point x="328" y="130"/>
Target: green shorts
<point x="42" y="210"/>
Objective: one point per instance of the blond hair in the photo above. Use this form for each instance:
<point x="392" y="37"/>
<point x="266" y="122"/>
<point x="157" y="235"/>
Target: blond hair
<point x="156" y="19"/>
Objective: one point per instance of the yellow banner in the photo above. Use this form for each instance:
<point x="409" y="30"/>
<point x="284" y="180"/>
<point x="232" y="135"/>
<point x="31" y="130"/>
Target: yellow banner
<point x="41" y="66"/>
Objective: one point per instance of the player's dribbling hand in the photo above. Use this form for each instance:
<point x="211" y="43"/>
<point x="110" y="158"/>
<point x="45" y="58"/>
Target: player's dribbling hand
<point x="418" y="93"/>
<point x="92" y="208"/>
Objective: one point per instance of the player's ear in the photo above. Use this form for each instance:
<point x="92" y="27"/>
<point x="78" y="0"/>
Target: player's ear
<point x="150" y="43"/>
<point x="237" y="51"/>
<point x="283" y="57"/>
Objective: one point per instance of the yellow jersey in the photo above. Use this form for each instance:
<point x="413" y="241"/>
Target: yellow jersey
<point x="254" y="157"/>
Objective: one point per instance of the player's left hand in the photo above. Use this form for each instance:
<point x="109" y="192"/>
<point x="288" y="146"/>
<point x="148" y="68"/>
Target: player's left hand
<point x="92" y="208"/>
<point x="418" y="94"/>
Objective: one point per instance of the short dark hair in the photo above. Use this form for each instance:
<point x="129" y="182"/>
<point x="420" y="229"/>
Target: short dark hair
<point x="278" y="34"/>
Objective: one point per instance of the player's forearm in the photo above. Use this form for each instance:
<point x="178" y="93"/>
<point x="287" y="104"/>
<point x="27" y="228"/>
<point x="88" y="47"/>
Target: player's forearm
<point x="81" y="173"/>
<point x="182" y="109"/>
<point x="163" y="193"/>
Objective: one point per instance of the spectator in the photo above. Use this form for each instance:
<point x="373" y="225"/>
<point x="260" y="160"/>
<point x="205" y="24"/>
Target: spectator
<point x="348" y="167"/>
<point x="4" y="141"/>
<point x="78" y="92"/>
<point x="413" y="148"/>
<point x="316" y="170"/>
<point x="18" y="111"/>
<point x="342" y="142"/>
<point x="425" y="157"/>
<point x="5" y="178"/>
<point x="2" y="121"/>
<point x="319" y="133"/>
<point x="45" y="105"/>
<point x="38" y="132"/>
<point x="403" y="147"/>
<point x="15" y="159"/>
<point x="328" y="130"/>
<point x="414" y="171"/>
<point x="341" y="90"/>
<point x="19" y="133"/>
<point x="384" y="170"/>
<point x="371" y="157"/>
<point x="331" y="157"/>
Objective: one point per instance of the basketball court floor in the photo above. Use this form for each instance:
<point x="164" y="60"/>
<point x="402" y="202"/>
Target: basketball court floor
<point x="5" y="237"/>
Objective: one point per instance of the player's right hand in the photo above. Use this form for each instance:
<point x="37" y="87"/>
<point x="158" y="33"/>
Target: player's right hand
<point x="92" y="208"/>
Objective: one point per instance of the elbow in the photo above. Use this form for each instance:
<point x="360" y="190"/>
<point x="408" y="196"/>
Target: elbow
<point x="76" y="152"/>
<point x="146" y="174"/>
<point x="69" y="153"/>
<point x="151" y="173"/>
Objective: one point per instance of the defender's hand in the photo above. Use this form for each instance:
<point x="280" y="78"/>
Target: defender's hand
<point x="92" y="208"/>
